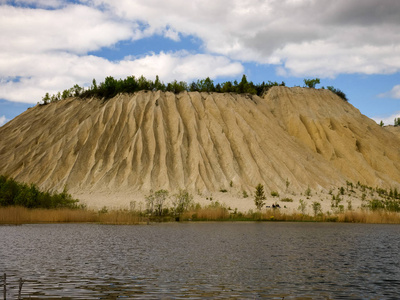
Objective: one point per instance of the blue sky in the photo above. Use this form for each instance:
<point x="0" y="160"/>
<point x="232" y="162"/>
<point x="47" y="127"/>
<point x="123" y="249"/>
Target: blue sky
<point x="50" y="45"/>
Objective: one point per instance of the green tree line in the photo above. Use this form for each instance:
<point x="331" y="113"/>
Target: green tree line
<point x="111" y="87"/>
<point x="13" y="193"/>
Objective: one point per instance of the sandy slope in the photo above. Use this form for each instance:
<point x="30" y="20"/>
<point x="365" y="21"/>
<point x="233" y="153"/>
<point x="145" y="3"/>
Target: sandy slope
<point x="114" y="152"/>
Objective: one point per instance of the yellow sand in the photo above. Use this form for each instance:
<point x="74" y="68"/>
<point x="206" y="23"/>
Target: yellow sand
<point x="113" y="153"/>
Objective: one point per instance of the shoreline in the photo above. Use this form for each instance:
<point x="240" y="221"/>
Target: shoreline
<point x="20" y="215"/>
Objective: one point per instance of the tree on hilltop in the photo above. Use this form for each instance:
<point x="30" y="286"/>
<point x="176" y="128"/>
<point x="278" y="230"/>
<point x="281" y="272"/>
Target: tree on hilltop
<point x="311" y="83"/>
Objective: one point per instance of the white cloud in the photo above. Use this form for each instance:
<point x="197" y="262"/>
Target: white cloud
<point x="393" y="93"/>
<point x="45" y="48"/>
<point x="3" y="120"/>
<point x="304" y="37"/>
<point x="64" y="70"/>
<point x="387" y="120"/>
<point x="73" y="28"/>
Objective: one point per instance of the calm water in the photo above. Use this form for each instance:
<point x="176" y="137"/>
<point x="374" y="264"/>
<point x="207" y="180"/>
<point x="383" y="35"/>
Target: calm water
<point x="202" y="260"/>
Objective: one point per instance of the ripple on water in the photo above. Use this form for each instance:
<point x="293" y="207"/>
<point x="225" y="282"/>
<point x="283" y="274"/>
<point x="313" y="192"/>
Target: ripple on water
<point x="203" y="260"/>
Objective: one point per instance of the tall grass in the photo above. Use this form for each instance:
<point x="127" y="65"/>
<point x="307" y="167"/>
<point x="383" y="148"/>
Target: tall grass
<point x="22" y="215"/>
<point x="365" y="216"/>
<point x="359" y="216"/>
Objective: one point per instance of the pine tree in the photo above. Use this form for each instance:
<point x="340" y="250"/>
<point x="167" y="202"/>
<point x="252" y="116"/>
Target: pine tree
<point x="259" y="196"/>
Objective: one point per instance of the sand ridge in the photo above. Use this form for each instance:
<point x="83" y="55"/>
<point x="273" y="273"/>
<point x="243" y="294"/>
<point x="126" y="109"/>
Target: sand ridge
<point x="205" y="142"/>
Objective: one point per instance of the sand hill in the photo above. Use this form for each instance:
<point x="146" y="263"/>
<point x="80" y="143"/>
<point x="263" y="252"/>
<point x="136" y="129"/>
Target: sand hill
<point x="115" y="151"/>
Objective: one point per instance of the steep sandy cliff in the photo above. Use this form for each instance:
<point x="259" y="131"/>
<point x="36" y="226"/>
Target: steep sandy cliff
<point x="200" y="141"/>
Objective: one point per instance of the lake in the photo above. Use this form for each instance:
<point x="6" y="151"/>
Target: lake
<point x="202" y="260"/>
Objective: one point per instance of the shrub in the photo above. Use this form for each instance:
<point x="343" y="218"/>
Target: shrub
<point x="308" y="192"/>
<point x="311" y="83"/>
<point x="182" y="201"/>
<point x="302" y="207"/>
<point x="338" y="92"/>
<point x="287" y="200"/>
<point x="259" y="196"/>
<point x="274" y="194"/>
<point x="13" y="193"/>
<point x="155" y="202"/>
<point x="316" y="206"/>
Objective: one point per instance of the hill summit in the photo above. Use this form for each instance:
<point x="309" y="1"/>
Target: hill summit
<point x="205" y="142"/>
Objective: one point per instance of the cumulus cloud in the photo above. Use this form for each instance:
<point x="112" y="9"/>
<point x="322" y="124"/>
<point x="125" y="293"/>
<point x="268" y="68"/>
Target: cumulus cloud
<point x="74" y="28"/>
<point x="46" y="50"/>
<point x="302" y="37"/>
<point x="3" y="120"/>
<point x="393" y="93"/>
<point x="65" y="69"/>
<point x="46" y="44"/>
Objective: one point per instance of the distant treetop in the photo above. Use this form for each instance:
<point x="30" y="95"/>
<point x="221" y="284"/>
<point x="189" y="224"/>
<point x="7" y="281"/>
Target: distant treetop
<point x="111" y="87"/>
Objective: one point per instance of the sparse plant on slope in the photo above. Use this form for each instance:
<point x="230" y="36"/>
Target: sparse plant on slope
<point x="302" y="207"/>
<point x="259" y="196"/>
<point x="274" y="194"/>
<point x="46" y="99"/>
<point x="316" y="206"/>
<point x="287" y="183"/>
<point x="338" y="92"/>
<point x="308" y="192"/>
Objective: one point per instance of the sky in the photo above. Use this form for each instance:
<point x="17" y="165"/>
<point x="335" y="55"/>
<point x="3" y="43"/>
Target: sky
<point x="51" y="45"/>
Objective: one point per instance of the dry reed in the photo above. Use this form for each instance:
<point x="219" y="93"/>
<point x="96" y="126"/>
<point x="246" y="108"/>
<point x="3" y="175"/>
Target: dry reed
<point x="359" y="216"/>
<point x="22" y="215"/>
<point x="364" y="216"/>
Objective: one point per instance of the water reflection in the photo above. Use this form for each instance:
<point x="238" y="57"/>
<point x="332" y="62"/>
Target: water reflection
<point x="203" y="260"/>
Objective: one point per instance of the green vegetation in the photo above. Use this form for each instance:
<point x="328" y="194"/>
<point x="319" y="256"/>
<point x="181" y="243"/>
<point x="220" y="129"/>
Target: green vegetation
<point x="274" y="194"/>
<point x="396" y="121"/>
<point x="338" y="92"/>
<point x="316" y="206"/>
<point x="287" y="183"/>
<point x="287" y="200"/>
<point x="13" y="193"/>
<point x="182" y="202"/>
<point x="307" y="192"/>
<point x="155" y="202"/>
<point x="111" y="87"/>
<point x="387" y="205"/>
<point x="302" y="207"/>
<point x="259" y="196"/>
<point x="25" y="203"/>
<point x="311" y="83"/>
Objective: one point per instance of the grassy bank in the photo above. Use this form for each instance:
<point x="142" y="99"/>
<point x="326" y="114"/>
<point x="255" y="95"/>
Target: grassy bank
<point x="21" y="215"/>
<point x="356" y="216"/>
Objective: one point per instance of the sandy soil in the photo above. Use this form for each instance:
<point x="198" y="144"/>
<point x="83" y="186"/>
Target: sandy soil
<point x="114" y="152"/>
